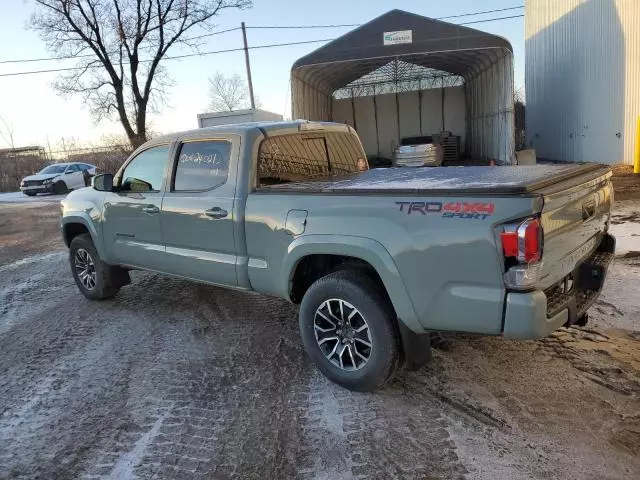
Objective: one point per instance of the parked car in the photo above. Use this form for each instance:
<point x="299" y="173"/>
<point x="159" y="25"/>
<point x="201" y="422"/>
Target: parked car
<point x="58" y="178"/>
<point x="420" y="155"/>
<point x="377" y="259"/>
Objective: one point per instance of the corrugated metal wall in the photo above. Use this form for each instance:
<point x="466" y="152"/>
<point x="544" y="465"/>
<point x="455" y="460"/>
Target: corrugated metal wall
<point x="490" y="122"/>
<point x="309" y="102"/>
<point x="381" y="130"/>
<point x="489" y="129"/>
<point x="582" y="78"/>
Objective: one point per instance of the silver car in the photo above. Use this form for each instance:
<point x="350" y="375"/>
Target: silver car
<point x="58" y="178"/>
<point x="422" y="155"/>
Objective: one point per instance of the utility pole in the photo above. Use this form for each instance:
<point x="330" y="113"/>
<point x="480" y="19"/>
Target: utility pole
<point x="246" y="59"/>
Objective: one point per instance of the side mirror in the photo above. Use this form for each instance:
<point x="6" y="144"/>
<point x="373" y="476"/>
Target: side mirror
<point x="135" y="185"/>
<point x="103" y="182"/>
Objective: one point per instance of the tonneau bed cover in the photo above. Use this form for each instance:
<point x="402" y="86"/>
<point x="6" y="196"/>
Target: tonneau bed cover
<point x="444" y="180"/>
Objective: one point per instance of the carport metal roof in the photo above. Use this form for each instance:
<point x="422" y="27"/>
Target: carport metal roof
<point x="435" y="44"/>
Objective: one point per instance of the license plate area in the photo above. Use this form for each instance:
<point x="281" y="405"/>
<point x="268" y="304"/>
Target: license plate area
<point x="577" y="291"/>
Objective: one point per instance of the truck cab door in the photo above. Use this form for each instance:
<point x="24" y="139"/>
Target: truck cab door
<point x="131" y="227"/>
<point x="197" y="215"/>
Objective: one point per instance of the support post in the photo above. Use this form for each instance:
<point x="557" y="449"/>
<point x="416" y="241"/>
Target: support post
<point x="246" y="59"/>
<point x="636" y="153"/>
<point x="442" y="101"/>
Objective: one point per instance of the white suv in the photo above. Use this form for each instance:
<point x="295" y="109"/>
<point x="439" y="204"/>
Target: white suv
<point x="58" y="178"/>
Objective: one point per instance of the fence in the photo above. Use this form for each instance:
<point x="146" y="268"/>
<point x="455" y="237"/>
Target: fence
<point x="17" y="163"/>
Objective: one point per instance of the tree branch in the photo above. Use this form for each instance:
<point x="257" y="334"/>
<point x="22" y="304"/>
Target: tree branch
<point x="115" y="31"/>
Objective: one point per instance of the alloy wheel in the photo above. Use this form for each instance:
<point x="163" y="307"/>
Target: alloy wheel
<point x="85" y="268"/>
<point x="343" y="335"/>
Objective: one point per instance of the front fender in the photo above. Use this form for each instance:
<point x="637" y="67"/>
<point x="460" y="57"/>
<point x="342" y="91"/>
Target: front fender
<point x="84" y="218"/>
<point x="361" y="248"/>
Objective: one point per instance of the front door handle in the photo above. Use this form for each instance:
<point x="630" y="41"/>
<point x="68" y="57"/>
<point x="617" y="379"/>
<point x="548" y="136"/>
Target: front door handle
<point x="216" y="212"/>
<point x="150" y="209"/>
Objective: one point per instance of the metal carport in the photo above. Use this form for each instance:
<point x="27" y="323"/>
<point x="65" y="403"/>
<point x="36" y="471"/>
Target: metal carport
<point x="482" y="63"/>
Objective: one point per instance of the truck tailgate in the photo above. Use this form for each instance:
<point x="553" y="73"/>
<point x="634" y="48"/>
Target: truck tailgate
<point x="574" y="218"/>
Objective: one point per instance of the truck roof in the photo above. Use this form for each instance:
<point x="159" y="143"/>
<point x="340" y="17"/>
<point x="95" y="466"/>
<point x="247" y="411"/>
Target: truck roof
<point x="267" y="127"/>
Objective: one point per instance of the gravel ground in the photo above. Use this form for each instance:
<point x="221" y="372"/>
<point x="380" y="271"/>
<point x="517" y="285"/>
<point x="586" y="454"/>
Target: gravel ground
<point x="176" y="380"/>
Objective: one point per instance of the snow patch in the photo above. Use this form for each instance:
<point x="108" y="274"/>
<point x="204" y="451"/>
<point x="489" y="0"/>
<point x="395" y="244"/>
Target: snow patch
<point x="19" y="197"/>
<point x="32" y="259"/>
<point x="328" y="432"/>
<point x="123" y="469"/>
<point x="15" y="418"/>
<point x="625" y="226"/>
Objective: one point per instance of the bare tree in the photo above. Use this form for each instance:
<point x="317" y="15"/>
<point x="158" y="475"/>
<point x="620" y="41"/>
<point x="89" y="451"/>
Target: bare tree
<point x="7" y="132"/>
<point x="227" y="93"/>
<point x="119" y="45"/>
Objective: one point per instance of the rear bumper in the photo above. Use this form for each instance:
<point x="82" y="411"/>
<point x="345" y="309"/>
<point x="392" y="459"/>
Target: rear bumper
<point x="536" y="314"/>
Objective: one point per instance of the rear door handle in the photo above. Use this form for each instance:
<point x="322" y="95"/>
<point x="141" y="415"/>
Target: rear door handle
<point x="216" y="212"/>
<point x="150" y="209"/>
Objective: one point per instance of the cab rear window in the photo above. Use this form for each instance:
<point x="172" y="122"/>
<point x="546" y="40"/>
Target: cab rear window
<point x="305" y="156"/>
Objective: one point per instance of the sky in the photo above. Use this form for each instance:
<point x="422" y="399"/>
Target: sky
<point x="39" y="116"/>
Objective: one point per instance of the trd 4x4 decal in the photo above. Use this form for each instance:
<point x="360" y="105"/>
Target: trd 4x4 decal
<point x="466" y="210"/>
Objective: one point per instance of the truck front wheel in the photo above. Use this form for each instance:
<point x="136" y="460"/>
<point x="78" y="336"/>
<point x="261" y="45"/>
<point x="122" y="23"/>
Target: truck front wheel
<point x="95" y="279"/>
<point x="347" y="330"/>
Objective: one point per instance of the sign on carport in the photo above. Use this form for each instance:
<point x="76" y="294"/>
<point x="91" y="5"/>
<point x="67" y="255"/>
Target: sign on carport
<point x="395" y="38"/>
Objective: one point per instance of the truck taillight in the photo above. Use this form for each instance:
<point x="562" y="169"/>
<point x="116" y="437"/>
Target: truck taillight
<point x="522" y="247"/>
<point x="523" y="241"/>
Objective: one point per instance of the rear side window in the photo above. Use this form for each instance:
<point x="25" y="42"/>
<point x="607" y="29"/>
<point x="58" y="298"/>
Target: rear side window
<point x="202" y="165"/>
<point x="303" y="156"/>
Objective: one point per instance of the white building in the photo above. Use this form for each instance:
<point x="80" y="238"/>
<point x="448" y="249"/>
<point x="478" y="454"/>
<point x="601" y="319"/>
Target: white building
<point x="237" y="116"/>
<point x="582" y="79"/>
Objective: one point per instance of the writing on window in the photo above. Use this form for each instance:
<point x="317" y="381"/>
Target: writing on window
<point x="202" y="165"/>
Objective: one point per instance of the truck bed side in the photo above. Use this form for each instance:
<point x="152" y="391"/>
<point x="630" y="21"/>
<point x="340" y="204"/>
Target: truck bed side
<point x="444" y="248"/>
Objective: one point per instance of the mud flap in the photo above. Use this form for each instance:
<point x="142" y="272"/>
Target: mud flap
<point x="119" y="276"/>
<point x="416" y="348"/>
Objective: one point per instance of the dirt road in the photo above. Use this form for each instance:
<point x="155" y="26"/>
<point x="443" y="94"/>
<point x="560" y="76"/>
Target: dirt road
<point x="26" y="229"/>
<point x="177" y="380"/>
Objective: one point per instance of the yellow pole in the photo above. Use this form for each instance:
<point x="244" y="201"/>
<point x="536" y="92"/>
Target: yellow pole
<point x="636" y="153"/>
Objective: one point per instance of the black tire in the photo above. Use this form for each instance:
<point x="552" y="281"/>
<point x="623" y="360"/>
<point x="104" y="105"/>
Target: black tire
<point x="106" y="286"/>
<point x="60" y="187"/>
<point x="30" y="194"/>
<point x="361" y="292"/>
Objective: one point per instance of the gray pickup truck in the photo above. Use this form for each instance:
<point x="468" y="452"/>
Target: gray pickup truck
<point x="376" y="258"/>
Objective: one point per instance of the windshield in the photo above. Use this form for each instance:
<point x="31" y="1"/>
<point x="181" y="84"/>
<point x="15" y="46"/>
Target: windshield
<point x="54" y="169"/>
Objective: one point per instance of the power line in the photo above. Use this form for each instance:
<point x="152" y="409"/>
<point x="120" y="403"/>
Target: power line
<point x="481" y="13"/>
<point x="175" y="57"/>
<point x="284" y="27"/>
<point x="470" y="14"/>
<point x="491" y="20"/>
<point x="67" y="57"/>
<point x="202" y="54"/>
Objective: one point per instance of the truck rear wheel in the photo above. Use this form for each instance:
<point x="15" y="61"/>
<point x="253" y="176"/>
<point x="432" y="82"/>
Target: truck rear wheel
<point x="347" y="330"/>
<point x="95" y="279"/>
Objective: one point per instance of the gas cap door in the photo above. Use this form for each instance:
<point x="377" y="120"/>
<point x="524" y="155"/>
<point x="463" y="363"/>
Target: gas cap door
<point x="296" y="222"/>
